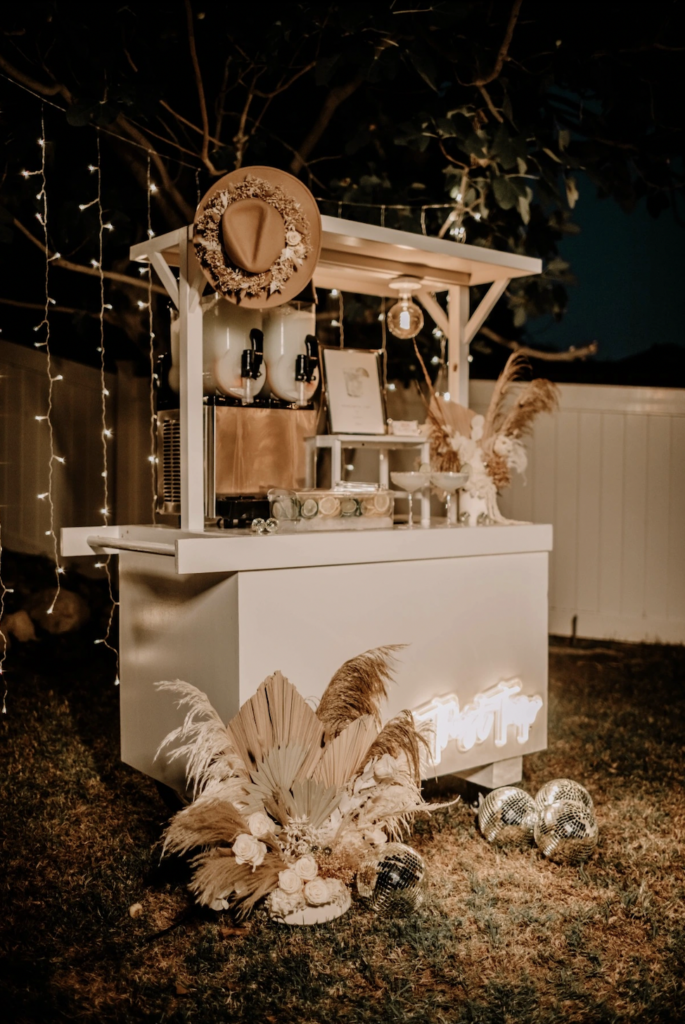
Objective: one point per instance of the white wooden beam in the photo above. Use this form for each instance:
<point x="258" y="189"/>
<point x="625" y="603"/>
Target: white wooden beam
<point x="190" y="356"/>
<point x="434" y="309"/>
<point x="485" y="307"/>
<point x="165" y="275"/>
<point x="458" y="349"/>
<point x="159" y="243"/>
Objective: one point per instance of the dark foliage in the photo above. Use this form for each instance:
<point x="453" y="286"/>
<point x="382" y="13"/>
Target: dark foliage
<point x="499" y="104"/>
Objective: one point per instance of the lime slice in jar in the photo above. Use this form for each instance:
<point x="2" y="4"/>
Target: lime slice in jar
<point x="329" y="506"/>
<point x="381" y="503"/>
<point x="309" y="508"/>
<point x="349" y="507"/>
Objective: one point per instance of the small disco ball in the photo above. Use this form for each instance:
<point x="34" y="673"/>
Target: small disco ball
<point x="563" y="789"/>
<point x="566" y="832"/>
<point x="507" y="815"/>
<point x="392" y="879"/>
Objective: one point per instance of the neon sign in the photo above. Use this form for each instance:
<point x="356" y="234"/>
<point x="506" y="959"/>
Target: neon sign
<point x="491" y="713"/>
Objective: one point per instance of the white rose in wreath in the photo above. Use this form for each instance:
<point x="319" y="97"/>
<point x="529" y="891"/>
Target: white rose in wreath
<point x="317" y="892"/>
<point x="289" y="881"/>
<point x="293" y="237"/>
<point x="259" y="824"/>
<point x="306" y="867"/>
<point x="248" y="850"/>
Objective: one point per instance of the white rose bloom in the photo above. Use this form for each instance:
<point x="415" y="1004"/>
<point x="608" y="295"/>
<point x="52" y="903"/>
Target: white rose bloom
<point x="317" y="892"/>
<point x="306" y="867"/>
<point x="248" y="850"/>
<point x="259" y="824"/>
<point x="385" y="767"/>
<point x="477" y="424"/>
<point x="289" y="881"/>
<point x="293" y="237"/>
<point x="376" y="836"/>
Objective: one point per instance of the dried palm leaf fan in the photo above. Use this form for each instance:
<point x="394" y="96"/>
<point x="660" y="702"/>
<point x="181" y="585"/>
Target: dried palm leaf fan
<point x="289" y="802"/>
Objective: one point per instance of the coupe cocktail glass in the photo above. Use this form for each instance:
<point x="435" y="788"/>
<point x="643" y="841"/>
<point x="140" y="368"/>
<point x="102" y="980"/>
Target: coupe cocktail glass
<point x="450" y="484"/>
<point x="410" y="482"/>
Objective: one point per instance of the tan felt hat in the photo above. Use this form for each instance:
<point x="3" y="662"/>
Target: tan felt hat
<point x="257" y="235"/>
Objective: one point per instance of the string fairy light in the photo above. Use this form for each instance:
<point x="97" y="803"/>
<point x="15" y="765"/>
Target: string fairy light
<point x="53" y="458"/>
<point x="3" y="636"/>
<point x="107" y="432"/>
<point x="153" y="416"/>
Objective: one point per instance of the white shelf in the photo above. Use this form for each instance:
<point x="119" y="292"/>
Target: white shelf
<point x="242" y="551"/>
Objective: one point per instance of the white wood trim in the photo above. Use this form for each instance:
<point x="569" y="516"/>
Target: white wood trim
<point x="165" y="275"/>
<point x="485" y="307"/>
<point x="434" y="310"/>
<point x="457" y="349"/>
<point x="160" y="243"/>
<point x="190" y="360"/>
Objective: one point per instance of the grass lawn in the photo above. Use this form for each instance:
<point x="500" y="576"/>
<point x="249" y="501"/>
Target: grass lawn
<point x="503" y="937"/>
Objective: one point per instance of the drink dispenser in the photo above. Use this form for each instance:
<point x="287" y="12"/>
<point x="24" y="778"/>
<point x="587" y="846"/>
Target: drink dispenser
<point x="290" y="352"/>
<point x="232" y="350"/>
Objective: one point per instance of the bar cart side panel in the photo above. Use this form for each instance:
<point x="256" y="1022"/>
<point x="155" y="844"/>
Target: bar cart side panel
<point x="172" y="627"/>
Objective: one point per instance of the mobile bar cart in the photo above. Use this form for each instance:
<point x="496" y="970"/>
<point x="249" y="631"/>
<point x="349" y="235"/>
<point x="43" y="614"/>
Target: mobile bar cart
<point x="223" y="610"/>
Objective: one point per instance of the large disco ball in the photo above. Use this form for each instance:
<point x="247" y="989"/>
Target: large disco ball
<point x="507" y="815"/>
<point x="566" y="831"/>
<point x="393" y="879"/>
<point x="563" y="789"/>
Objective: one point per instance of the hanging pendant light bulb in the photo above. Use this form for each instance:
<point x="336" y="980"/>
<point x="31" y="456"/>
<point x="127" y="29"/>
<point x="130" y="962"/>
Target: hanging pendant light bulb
<point x="405" y="318"/>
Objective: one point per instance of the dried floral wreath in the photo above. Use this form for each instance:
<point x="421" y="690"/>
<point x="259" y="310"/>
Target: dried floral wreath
<point x="290" y="803"/>
<point x="232" y="280"/>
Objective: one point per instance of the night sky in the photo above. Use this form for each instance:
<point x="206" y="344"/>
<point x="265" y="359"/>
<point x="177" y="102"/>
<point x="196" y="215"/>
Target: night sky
<point x="630" y="269"/>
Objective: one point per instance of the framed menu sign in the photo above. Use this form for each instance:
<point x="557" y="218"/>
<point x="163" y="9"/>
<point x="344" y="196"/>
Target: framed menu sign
<point x="354" y="394"/>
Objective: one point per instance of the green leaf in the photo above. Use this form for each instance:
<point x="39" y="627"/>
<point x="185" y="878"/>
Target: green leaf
<point x="425" y="67"/>
<point x="505" y="193"/>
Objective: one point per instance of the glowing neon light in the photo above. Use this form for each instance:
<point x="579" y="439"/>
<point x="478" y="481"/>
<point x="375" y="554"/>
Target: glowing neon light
<point x="491" y="713"/>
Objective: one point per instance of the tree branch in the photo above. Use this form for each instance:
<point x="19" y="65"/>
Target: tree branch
<point x="57" y="309"/>
<point x="491" y="106"/>
<point x="113" y="275"/>
<point x="200" y="91"/>
<point x="569" y="356"/>
<point x="57" y="89"/>
<point x="282" y="88"/>
<point x="335" y="97"/>
<point x="134" y="133"/>
<point x="503" y="52"/>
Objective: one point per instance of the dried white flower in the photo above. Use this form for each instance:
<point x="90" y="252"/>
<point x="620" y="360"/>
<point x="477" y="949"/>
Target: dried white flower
<point x="293" y="237"/>
<point x="248" y="850"/>
<point x="259" y="824"/>
<point x="289" y="881"/>
<point x="385" y="767"/>
<point x="317" y="892"/>
<point x="306" y="868"/>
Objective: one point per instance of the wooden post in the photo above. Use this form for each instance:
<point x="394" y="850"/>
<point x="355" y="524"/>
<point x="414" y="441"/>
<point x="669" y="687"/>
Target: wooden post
<point x="192" y="447"/>
<point x="457" y="346"/>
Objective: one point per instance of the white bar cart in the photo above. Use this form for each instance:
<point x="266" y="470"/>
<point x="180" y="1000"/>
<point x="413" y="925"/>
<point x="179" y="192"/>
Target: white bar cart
<point x="223" y="609"/>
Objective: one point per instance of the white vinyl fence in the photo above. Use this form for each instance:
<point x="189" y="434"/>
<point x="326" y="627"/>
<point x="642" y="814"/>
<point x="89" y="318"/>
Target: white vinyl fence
<point x="608" y="471"/>
<point x="78" y="482"/>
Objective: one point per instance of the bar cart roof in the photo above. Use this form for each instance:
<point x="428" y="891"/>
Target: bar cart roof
<point x="365" y="258"/>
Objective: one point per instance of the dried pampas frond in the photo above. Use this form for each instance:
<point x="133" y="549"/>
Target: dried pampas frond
<point x="536" y="397"/>
<point x="204" y="742"/>
<point x="400" y="736"/>
<point x="357" y="689"/>
<point x="275" y="716"/>
<point x="347" y="754"/>
<point x="218" y="876"/>
<point x="205" y="822"/>
<point x="494" y="417"/>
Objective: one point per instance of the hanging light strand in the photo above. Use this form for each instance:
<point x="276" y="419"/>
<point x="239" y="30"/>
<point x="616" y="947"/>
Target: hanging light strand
<point x="3" y="636"/>
<point x="43" y="219"/>
<point x="153" y="415"/>
<point x="104" y="392"/>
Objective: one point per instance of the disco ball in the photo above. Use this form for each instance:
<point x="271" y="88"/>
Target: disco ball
<point x="392" y="879"/>
<point x="507" y="815"/>
<point x="566" y="831"/>
<point x="563" y="789"/>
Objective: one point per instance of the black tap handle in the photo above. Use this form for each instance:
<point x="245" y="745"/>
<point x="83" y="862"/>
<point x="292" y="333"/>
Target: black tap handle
<point x="257" y="340"/>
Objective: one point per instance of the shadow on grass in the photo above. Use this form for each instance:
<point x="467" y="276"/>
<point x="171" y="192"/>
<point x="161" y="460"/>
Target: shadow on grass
<point x="504" y="935"/>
